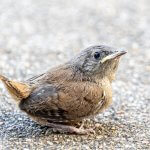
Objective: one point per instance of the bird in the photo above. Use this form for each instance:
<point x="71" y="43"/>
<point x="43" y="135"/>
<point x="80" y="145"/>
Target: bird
<point x="71" y="92"/>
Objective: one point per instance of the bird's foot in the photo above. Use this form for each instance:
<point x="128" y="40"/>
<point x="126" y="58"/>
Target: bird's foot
<point x="70" y="129"/>
<point x="82" y="131"/>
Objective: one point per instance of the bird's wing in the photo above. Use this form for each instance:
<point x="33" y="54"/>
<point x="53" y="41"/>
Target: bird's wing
<point x="35" y="78"/>
<point x="80" y="98"/>
<point x="69" y="102"/>
<point x="43" y="103"/>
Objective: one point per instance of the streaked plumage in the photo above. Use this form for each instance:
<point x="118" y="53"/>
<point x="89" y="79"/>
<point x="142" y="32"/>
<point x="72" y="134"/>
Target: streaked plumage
<point x="71" y="92"/>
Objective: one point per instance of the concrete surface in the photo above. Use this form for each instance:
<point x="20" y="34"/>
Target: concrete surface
<point x="38" y="34"/>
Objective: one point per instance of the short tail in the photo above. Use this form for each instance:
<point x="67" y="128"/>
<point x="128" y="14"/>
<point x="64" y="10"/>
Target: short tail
<point x="2" y="77"/>
<point x="17" y="90"/>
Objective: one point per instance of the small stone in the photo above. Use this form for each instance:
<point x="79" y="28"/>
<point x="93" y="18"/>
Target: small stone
<point x="1" y="123"/>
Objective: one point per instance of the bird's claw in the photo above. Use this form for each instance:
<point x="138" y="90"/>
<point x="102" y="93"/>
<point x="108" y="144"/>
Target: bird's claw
<point x="84" y="131"/>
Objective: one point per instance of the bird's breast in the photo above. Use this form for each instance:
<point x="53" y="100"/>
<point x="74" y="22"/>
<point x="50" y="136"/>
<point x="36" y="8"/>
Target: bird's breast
<point x="106" y="97"/>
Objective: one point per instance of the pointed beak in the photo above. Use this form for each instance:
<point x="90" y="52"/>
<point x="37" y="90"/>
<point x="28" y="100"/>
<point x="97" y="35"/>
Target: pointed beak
<point x="114" y="55"/>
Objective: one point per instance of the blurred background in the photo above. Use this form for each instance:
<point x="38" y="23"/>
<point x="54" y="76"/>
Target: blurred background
<point x="36" y="35"/>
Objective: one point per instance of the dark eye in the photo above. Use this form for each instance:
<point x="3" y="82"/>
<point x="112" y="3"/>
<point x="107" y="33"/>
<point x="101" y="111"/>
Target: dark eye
<point x="96" y="55"/>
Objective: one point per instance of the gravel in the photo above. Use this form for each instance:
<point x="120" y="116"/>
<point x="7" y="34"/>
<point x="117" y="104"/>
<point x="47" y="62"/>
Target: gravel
<point x="36" y="35"/>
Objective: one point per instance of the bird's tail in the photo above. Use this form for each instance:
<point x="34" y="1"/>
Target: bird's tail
<point x="17" y="90"/>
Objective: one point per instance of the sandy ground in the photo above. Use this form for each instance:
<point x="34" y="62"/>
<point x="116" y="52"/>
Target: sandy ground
<point x="36" y="35"/>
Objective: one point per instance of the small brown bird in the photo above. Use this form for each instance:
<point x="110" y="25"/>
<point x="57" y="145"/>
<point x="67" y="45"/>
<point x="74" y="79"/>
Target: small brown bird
<point x="72" y="92"/>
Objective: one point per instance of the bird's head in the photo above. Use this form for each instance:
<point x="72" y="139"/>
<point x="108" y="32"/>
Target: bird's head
<point x="98" y="61"/>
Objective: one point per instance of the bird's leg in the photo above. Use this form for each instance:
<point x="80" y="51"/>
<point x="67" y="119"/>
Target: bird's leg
<point x="82" y="124"/>
<point x="70" y="129"/>
<point x="91" y="130"/>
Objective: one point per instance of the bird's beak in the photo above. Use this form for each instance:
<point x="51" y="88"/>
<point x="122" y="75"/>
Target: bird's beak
<point x="114" y="55"/>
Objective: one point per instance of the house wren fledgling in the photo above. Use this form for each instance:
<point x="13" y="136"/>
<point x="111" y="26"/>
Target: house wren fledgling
<point x="71" y="92"/>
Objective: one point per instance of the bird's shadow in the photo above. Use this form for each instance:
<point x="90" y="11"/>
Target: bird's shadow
<point x="18" y="125"/>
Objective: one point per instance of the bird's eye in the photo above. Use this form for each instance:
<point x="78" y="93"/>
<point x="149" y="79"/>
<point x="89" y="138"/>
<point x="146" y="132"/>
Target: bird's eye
<point x="96" y="55"/>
